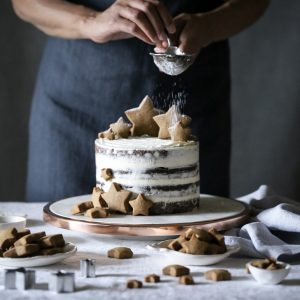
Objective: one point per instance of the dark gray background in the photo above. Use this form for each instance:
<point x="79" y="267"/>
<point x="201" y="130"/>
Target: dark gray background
<point x="265" y="101"/>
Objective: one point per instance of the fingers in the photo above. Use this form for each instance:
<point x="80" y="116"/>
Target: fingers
<point x="139" y="18"/>
<point x="166" y="18"/>
<point x="133" y="29"/>
<point x="149" y="9"/>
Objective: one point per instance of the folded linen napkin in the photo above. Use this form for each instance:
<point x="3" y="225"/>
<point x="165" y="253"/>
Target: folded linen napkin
<point x="276" y="217"/>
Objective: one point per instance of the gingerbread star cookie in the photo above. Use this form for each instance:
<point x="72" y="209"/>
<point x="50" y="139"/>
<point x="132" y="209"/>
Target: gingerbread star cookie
<point x="179" y="133"/>
<point x="106" y="173"/>
<point x="140" y="205"/>
<point x="142" y="118"/>
<point x="97" y="199"/>
<point x="108" y="134"/>
<point x="185" y="120"/>
<point x="117" y="199"/>
<point x="165" y="121"/>
<point x="121" y="129"/>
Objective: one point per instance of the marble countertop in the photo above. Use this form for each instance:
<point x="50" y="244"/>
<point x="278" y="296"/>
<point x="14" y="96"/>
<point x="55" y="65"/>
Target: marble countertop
<point x="112" y="275"/>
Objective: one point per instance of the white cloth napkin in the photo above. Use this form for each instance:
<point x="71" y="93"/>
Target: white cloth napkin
<point x="274" y="232"/>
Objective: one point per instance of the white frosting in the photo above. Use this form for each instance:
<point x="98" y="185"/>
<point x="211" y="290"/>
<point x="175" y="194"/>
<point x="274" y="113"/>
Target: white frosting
<point x="142" y="143"/>
<point x="136" y="155"/>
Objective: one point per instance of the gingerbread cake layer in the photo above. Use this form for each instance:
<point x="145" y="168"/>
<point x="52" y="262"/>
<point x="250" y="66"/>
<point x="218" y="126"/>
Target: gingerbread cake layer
<point x="165" y="171"/>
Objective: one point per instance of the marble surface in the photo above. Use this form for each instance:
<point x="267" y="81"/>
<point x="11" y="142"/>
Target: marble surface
<point x="112" y="275"/>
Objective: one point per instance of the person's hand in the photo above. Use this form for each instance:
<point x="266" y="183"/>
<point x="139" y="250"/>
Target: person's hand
<point x="147" y="20"/>
<point x="192" y="33"/>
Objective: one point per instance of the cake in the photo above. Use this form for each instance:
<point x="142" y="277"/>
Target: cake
<point x="166" y="172"/>
<point x="154" y="158"/>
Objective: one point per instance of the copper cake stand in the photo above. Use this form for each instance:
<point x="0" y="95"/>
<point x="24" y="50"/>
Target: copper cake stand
<point x="217" y="212"/>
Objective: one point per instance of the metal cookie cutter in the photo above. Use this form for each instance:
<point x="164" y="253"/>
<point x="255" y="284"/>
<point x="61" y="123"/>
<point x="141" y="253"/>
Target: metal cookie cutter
<point x="20" y="279"/>
<point x="62" y="282"/>
<point x="88" y="268"/>
<point x="173" y="61"/>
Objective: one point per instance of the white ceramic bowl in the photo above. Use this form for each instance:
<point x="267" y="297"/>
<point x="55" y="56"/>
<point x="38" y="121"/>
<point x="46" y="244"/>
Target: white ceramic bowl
<point x="38" y="261"/>
<point x="264" y="276"/>
<point x="175" y="257"/>
<point x="7" y="221"/>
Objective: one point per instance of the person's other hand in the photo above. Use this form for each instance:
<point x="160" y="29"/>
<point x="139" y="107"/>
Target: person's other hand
<point x="147" y="20"/>
<point x="192" y="33"/>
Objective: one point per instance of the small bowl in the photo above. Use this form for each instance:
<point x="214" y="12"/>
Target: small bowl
<point x="264" y="276"/>
<point x="172" y="256"/>
<point x="7" y="222"/>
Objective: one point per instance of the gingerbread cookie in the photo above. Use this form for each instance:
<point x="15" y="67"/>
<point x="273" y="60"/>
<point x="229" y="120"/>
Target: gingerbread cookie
<point x="185" y="120"/>
<point x="140" y="205"/>
<point x="217" y="275"/>
<point x="120" y="253"/>
<point x="134" y="284"/>
<point x="142" y="118"/>
<point x="152" y="278"/>
<point x="117" y="199"/>
<point x="22" y="251"/>
<point x="186" y="280"/>
<point x="201" y="234"/>
<point x="52" y="241"/>
<point x="175" y="245"/>
<point x="97" y="199"/>
<point x="268" y="264"/>
<point x="165" y="121"/>
<point x="121" y="129"/>
<point x="108" y="134"/>
<point x="107" y="174"/>
<point x="23" y="232"/>
<point x="30" y="238"/>
<point x="81" y="207"/>
<point x="97" y="212"/>
<point x="175" y="270"/>
<point x="7" y="238"/>
<point x="218" y="237"/>
<point x="179" y="133"/>
<point x="51" y="251"/>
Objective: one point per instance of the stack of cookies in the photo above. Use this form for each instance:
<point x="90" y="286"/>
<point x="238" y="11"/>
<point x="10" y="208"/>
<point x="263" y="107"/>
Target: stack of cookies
<point x="115" y="200"/>
<point x="199" y="241"/>
<point x="23" y="243"/>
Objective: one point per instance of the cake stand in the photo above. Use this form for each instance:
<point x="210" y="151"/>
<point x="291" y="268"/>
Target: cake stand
<point x="220" y="213"/>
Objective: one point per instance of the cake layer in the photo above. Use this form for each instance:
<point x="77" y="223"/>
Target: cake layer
<point x="166" y="172"/>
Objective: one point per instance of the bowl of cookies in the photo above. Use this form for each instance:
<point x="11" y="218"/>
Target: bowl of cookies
<point x="22" y="248"/>
<point x="195" y="247"/>
<point x="268" y="271"/>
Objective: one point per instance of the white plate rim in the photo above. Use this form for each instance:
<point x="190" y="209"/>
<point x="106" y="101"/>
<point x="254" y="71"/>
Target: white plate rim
<point x="8" y="261"/>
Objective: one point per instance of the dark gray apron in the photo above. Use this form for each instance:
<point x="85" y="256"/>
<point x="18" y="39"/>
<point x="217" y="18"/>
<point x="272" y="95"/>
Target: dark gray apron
<point x="82" y="87"/>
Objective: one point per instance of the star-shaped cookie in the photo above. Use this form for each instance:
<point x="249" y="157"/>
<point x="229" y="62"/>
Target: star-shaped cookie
<point x="195" y="246"/>
<point x="142" y="118"/>
<point x="117" y="199"/>
<point x="97" y="199"/>
<point x="140" y="205"/>
<point x="121" y="129"/>
<point x="108" y="134"/>
<point x="106" y="174"/>
<point x="179" y="133"/>
<point x="167" y="120"/>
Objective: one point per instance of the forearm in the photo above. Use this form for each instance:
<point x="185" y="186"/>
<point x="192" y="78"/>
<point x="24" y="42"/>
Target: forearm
<point x="232" y="17"/>
<point x="54" y="17"/>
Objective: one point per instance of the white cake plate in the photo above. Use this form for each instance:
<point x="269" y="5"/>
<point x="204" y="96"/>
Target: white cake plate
<point x="220" y="213"/>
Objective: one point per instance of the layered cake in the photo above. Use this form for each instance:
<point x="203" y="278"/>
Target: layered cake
<point x="150" y="165"/>
<point x="165" y="171"/>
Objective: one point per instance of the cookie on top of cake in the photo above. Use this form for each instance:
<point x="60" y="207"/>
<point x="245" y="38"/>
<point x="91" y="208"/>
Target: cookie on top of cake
<point x="148" y="164"/>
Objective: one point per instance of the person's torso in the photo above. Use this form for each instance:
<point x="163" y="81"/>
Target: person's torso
<point x="82" y="73"/>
